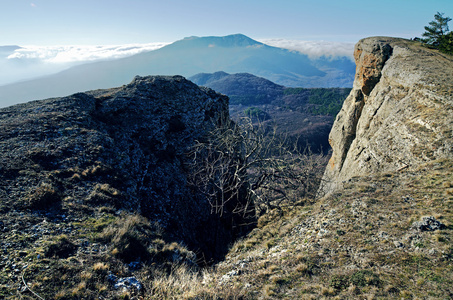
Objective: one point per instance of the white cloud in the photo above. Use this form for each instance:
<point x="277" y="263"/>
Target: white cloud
<point x="314" y="49"/>
<point x="34" y="61"/>
<point x="79" y="54"/>
<point x="74" y="54"/>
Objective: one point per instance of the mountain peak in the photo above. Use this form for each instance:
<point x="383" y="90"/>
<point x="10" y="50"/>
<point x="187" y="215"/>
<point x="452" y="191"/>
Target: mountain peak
<point x="240" y="40"/>
<point x="233" y="40"/>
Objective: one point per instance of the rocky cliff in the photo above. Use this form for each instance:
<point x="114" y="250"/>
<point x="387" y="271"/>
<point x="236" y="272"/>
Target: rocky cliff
<point x="121" y="149"/>
<point x="399" y="113"/>
<point x="385" y="228"/>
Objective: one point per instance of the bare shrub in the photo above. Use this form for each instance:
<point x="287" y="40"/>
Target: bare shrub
<point x="243" y="160"/>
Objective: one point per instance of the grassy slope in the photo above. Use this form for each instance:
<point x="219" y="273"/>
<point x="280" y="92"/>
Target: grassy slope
<point x="357" y="243"/>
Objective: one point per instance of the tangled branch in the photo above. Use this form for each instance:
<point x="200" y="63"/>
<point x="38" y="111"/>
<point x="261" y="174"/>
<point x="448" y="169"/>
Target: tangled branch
<point x="240" y="168"/>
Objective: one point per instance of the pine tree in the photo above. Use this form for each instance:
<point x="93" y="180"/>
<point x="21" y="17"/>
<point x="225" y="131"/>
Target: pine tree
<point x="436" y="30"/>
<point x="446" y="43"/>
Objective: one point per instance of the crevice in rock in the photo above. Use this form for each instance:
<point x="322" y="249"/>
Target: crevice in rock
<point x="351" y="135"/>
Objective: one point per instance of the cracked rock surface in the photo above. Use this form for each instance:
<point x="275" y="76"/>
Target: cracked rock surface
<point x="120" y="149"/>
<point x="399" y="113"/>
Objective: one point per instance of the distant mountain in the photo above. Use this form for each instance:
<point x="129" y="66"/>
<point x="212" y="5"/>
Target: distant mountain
<point x="7" y="50"/>
<point x="234" y="53"/>
<point x="247" y="89"/>
<point x="242" y="88"/>
<point x="14" y="69"/>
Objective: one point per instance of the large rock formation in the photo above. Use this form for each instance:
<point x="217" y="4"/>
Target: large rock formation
<point x="398" y="114"/>
<point x="119" y="149"/>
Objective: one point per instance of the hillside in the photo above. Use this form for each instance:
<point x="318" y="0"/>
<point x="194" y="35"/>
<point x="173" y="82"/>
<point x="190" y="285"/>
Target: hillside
<point x="187" y="57"/>
<point x="241" y="88"/>
<point x="384" y="236"/>
<point x="250" y="90"/>
<point x="303" y="114"/>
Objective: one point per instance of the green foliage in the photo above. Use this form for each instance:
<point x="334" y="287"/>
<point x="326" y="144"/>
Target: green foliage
<point x="360" y="278"/>
<point x="365" y="277"/>
<point x="339" y="282"/>
<point x="328" y="101"/>
<point x="436" y="29"/>
<point x="249" y="99"/>
<point x="324" y="101"/>
<point x="295" y="91"/>
<point x="446" y="43"/>
<point x="256" y="113"/>
<point x="437" y="34"/>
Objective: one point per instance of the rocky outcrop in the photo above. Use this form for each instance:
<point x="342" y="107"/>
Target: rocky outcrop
<point x="118" y="149"/>
<point x="399" y="113"/>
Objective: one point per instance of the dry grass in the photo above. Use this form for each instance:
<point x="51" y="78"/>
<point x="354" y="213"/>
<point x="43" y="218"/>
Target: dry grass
<point x="355" y="244"/>
<point x="43" y="196"/>
<point x="100" y="267"/>
<point x="184" y="283"/>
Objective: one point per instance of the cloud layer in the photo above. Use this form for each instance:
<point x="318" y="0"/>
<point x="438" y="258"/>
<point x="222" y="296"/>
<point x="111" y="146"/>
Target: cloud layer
<point x="29" y="62"/>
<point x="314" y="49"/>
<point x="69" y="54"/>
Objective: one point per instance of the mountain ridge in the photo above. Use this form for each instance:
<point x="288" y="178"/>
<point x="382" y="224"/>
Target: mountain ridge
<point x="232" y="40"/>
<point x="8" y="49"/>
<point x="187" y="57"/>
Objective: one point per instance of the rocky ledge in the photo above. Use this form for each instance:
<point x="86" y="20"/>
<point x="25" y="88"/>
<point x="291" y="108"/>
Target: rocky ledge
<point x="398" y="115"/>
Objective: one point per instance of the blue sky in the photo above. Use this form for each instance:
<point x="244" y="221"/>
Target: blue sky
<point x="57" y="34"/>
<point x="102" y="22"/>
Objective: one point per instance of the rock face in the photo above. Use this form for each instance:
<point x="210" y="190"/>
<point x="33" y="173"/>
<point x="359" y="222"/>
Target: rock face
<point x="119" y="149"/>
<point x="399" y="113"/>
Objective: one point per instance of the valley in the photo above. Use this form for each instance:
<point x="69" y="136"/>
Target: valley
<point x="305" y="115"/>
